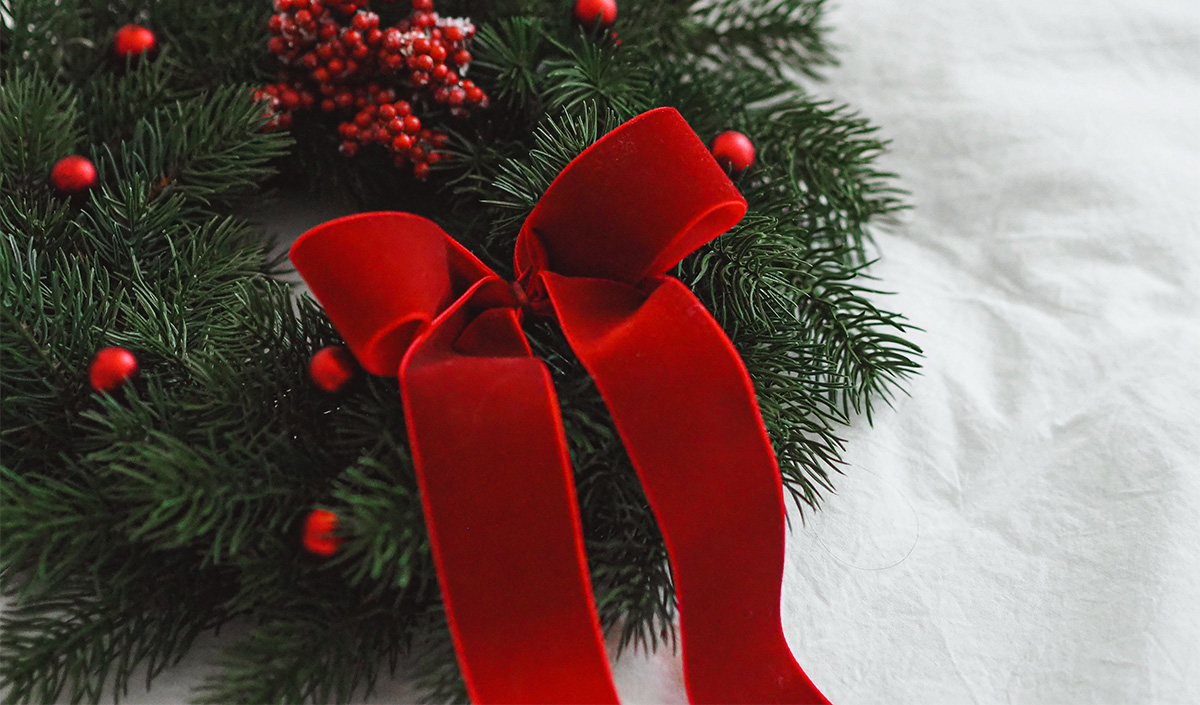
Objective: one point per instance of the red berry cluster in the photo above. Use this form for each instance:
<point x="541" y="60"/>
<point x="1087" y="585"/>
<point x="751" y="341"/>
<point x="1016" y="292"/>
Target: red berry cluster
<point x="337" y="58"/>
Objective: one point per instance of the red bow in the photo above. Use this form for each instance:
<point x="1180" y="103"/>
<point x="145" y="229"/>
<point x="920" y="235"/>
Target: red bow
<point x="487" y="439"/>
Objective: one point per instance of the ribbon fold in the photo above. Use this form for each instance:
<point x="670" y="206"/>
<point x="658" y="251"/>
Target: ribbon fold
<point x="486" y="434"/>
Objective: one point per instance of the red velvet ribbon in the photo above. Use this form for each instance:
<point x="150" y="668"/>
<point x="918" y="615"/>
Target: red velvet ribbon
<point x="486" y="435"/>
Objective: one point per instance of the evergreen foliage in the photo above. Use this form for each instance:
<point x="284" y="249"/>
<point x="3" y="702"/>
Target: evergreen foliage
<point x="133" y="523"/>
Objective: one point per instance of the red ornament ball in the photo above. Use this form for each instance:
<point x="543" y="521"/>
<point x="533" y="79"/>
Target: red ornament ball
<point x="134" y="40"/>
<point x="332" y="368"/>
<point x="733" y="150"/>
<point x="588" y="11"/>
<point x="73" y="174"/>
<point x="319" y="533"/>
<point x="112" y="368"/>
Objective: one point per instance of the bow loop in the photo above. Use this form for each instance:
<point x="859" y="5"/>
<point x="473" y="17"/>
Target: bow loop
<point x="631" y="206"/>
<point x="383" y="278"/>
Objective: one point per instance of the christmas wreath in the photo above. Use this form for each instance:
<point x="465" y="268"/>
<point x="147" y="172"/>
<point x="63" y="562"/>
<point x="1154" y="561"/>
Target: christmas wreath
<point x="186" y="442"/>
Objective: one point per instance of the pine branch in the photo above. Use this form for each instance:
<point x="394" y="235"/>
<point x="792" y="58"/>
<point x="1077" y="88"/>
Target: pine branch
<point x="509" y="53"/>
<point x="386" y="545"/>
<point x="96" y="628"/>
<point x="521" y="182"/>
<point x="596" y="74"/>
<point x="39" y="124"/>
<point x="768" y="35"/>
<point x="46" y="35"/>
<point x="211" y="148"/>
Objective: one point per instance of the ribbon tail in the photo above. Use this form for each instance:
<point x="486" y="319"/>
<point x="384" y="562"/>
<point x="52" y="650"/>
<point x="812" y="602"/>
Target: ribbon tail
<point x="684" y="405"/>
<point x="498" y="494"/>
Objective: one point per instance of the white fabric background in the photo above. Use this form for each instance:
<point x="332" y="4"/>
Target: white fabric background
<point x="1025" y="527"/>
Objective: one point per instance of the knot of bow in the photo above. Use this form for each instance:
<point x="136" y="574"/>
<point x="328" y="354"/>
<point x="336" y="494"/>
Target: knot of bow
<point x="487" y="441"/>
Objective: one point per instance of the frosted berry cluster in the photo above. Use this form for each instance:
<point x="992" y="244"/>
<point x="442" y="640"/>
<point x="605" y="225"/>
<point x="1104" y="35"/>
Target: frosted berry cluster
<point x="339" y="60"/>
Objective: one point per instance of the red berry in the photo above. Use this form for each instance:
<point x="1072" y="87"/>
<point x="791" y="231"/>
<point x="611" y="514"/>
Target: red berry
<point x="403" y="108"/>
<point x="420" y="45"/>
<point x="421" y="170"/>
<point x="320" y="529"/>
<point x="73" y="174"/>
<point x="454" y="33"/>
<point x="402" y="143"/>
<point x="457" y="96"/>
<point x="411" y="124"/>
<point x="440" y="71"/>
<point x="423" y="5"/>
<point x="112" y="368"/>
<point x="588" y="12"/>
<point x="462" y="57"/>
<point x="438" y="52"/>
<point x="425" y="62"/>
<point x="474" y="94"/>
<point x="133" y="40"/>
<point x="733" y="150"/>
<point x="332" y="367"/>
